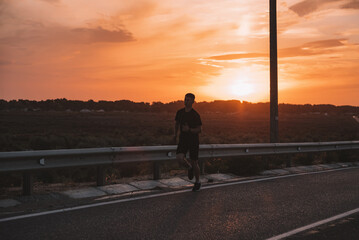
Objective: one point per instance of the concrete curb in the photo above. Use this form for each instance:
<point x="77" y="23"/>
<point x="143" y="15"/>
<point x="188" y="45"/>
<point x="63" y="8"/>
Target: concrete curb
<point x="84" y="193"/>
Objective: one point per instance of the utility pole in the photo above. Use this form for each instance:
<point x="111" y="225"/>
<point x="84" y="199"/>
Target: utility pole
<point x="273" y="72"/>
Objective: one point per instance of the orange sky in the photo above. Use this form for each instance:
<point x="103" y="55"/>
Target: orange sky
<point x="154" y="50"/>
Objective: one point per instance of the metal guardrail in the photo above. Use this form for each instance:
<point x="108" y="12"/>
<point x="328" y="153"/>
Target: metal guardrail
<point x="28" y="161"/>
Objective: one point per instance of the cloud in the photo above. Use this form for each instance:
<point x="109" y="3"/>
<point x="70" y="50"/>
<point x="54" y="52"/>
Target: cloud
<point x="354" y="4"/>
<point x="308" y="6"/>
<point x="88" y="35"/>
<point x="307" y="49"/>
<point x="51" y="1"/>
<point x="206" y="34"/>
<point x="311" y="48"/>
<point x="5" y="62"/>
<point x="57" y="35"/>
<point x="238" y="56"/>
<point x="325" y="43"/>
<point x="59" y="19"/>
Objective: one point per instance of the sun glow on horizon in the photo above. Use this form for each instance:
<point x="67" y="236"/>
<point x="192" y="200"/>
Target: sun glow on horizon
<point x="241" y="88"/>
<point x="245" y="83"/>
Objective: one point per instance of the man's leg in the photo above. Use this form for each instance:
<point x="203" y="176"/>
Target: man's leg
<point x="194" y="160"/>
<point x="182" y="159"/>
<point x="197" y="184"/>
<point x="196" y="169"/>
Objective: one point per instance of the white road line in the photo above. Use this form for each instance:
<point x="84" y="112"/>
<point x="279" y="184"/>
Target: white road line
<point x="273" y="178"/>
<point x="161" y="194"/>
<point x="313" y="225"/>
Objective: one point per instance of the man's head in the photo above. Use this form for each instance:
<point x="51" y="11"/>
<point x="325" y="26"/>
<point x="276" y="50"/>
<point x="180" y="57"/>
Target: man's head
<point x="189" y="99"/>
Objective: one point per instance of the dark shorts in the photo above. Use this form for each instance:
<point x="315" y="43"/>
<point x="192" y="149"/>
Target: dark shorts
<point x="186" y="145"/>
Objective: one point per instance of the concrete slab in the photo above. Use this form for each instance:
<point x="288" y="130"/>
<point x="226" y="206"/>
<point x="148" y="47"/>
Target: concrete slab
<point x="316" y="167"/>
<point x="306" y="168"/>
<point x="236" y="179"/>
<point x="346" y="164"/>
<point x="268" y="172"/>
<point x="219" y="176"/>
<point x="175" y="182"/>
<point x="84" y="193"/>
<point x="118" y="188"/>
<point x="147" y="184"/>
<point x="294" y="170"/>
<point x="325" y="166"/>
<point x="4" y="203"/>
<point x="331" y="166"/>
<point x="280" y="171"/>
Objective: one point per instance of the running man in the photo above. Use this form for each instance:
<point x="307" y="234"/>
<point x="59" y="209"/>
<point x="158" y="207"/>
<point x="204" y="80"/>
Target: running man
<point x="188" y="121"/>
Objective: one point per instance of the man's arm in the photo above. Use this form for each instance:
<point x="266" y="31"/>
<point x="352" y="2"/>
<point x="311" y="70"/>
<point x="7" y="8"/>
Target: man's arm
<point x="176" y="130"/>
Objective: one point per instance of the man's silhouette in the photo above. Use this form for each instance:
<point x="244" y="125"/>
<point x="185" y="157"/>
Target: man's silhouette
<point x="188" y="121"/>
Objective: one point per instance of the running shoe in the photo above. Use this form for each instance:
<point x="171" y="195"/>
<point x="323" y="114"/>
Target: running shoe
<point x="190" y="173"/>
<point x="196" y="187"/>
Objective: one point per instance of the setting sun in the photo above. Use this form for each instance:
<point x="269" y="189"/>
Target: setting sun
<point x="239" y="83"/>
<point x="241" y="88"/>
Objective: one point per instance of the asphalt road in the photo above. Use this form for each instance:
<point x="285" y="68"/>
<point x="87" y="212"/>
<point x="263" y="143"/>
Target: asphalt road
<point x="346" y="228"/>
<point x="257" y="210"/>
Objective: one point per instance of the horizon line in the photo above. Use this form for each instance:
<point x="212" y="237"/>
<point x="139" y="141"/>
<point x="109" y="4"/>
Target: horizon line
<point x="151" y="103"/>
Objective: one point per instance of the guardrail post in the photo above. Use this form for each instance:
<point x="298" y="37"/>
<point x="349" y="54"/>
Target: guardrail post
<point x="156" y="170"/>
<point x="27" y="183"/>
<point x="201" y="166"/>
<point x="288" y="163"/>
<point x="101" y="176"/>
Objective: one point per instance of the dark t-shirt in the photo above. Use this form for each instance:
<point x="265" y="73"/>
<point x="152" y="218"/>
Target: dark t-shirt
<point x="192" y="118"/>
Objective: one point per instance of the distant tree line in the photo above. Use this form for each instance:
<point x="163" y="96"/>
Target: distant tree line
<point x="230" y="106"/>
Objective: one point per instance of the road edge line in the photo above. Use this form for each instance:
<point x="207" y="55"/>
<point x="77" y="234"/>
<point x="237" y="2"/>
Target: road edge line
<point x="313" y="225"/>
